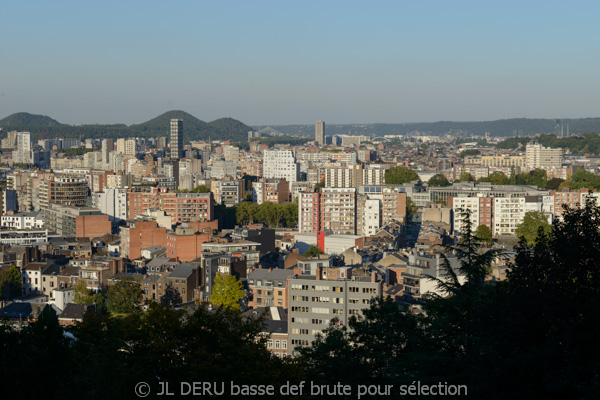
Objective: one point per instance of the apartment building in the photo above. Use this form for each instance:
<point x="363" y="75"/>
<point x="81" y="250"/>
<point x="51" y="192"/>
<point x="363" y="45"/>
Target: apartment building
<point x="139" y="235"/>
<point x="539" y="156"/>
<point x="276" y="191"/>
<point x="77" y="221"/>
<point x="339" y="210"/>
<point x="314" y="301"/>
<point x="344" y="177"/>
<point x="69" y="190"/>
<point x="309" y="211"/>
<point x="280" y="164"/>
<point x="112" y="202"/>
<point x="181" y="207"/>
<point x="268" y="287"/>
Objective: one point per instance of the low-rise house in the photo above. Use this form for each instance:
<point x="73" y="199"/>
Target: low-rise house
<point x="23" y="311"/>
<point x="73" y="313"/>
<point x="275" y="328"/>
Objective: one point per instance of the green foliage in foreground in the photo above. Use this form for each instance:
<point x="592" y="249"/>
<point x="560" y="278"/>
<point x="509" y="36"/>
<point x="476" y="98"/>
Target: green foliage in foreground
<point x="111" y="355"/>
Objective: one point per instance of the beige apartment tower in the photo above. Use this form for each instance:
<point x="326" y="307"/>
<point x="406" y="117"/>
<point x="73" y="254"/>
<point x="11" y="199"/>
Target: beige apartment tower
<point x="320" y="132"/>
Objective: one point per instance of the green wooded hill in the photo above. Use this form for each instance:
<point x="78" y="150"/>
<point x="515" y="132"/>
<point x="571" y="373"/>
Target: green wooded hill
<point x="42" y="126"/>
<point x="25" y="119"/>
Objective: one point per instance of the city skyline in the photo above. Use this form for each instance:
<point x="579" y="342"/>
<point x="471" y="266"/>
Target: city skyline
<point x="267" y="63"/>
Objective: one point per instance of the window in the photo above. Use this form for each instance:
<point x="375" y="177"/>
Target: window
<point x="270" y="344"/>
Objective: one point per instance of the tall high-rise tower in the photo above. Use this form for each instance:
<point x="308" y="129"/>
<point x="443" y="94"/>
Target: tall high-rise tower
<point x="22" y="154"/>
<point x="176" y="138"/>
<point x="107" y="147"/>
<point x="320" y="132"/>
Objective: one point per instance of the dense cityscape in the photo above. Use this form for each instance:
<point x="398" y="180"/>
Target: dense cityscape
<point x="297" y="239"/>
<point x="299" y="200"/>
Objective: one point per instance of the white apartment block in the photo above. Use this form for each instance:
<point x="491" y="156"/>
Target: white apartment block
<point x="368" y="220"/>
<point x="544" y="204"/>
<point x="539" y="156"/>
<point x="112" y="202"/>
<point x="343" y="177"/>
<point x="22" y="151"/>
<point x="121" y="146"/>
<point x="280" y="164"/>
<point x="373" y="174"/>
<point x="130" y="147"/>
<point x="26" y="220"/>
<point x="231" y="153"/>
<point x="508" y="214"/>
<point x="462" y="204"/>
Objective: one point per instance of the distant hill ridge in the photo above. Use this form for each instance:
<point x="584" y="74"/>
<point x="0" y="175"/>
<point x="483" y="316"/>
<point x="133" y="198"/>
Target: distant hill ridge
<point x="42" y="126"/>
<point x="26" y="119"/>
<point x="501" y="127"/>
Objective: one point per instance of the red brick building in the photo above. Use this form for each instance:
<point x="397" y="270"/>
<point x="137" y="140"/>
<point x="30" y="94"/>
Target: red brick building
<point x="140" y="235"/>
<point x="185" y="244"/>
<point x="92" y="226"/>
<point x="182" y="207"/>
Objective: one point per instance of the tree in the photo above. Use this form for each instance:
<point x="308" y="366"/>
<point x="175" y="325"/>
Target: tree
<point x="227" y="292"/>
<point x="472" y="152"/>
<point x="584" y="179"/>
<point x="399" y="175"/>
<point x="313" y="251"/>
<point x="10" y="283"/>
<point x="466" y="177"/>
<point x="124" y="296"/>
<point x="554" y="183"/>
<point x="411" y="209"/>
<point x="271" y="214"/>
<point x="484" y="234"/>
<point x="245" y="212"/>
<point x="291" y="214"/>
<point x="83" y="295"/>
<point x="538" y="177"/>
<point x="320" y="185"/>
<point x="533" y="223"/>
<point x="201" y="189"/>
<point x="439" y="180"/>
<point x="496" y="178"/>
<point x="171" y="296"/>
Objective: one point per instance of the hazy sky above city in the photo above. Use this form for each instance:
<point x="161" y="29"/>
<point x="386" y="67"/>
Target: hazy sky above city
<point x="282" y="62"/>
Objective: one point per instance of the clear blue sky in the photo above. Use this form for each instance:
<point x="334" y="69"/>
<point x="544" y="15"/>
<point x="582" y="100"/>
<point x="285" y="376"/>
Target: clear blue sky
<point x="284" y="62"/>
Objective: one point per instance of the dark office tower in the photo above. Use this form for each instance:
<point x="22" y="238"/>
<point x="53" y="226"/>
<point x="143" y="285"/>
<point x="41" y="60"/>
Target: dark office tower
<point x="176" y="139"/>
<point x="320" y="132"/>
